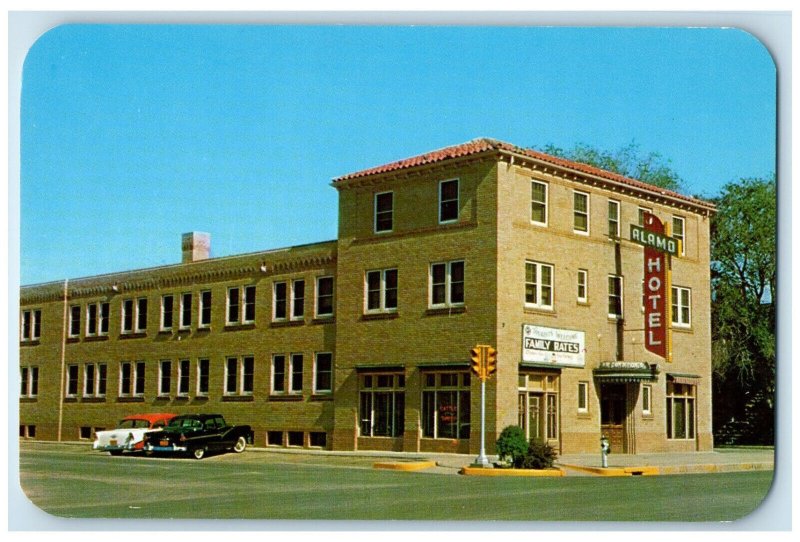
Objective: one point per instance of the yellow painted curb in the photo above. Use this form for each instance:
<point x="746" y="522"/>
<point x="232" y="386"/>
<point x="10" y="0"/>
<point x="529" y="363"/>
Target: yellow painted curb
<point x="478" y="471"/>
<point x="405" y="466"/>
<point x="617" y="471"/>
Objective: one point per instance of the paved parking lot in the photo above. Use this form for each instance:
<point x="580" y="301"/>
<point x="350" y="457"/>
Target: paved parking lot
<point x="69" y="480"/>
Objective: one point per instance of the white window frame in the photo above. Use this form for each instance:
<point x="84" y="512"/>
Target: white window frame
<point x="139" y="315"/>
<point x="77" y="380"/>
<point x="448" y="285"/>
<point x="640" y="216"/>
<point x="576" y="212"/>
<point x="162" y="365"/>
<point x="272" y="379"/>
<point x="28" y="378"/>
<point x="583" y="396"/>
<point x="123" y="311"/>
<point x="682" y="235"/>
<point x="616" y="204"/>
<point x="185" y="312"/>
<point x="647" y="400"/>
<point x="381" y="291"/>
<point x="316" y="388"/>
<point x="457" y="200"/>
<point x="538" y="266"/>
<point x="162" y="324"/>
<point x="92" y="307"/>
<point x="317" y="297"/>
<point x="621" y="297"/>
<point x="583" y="282"/>
<point x="240" y="376"/>
<point x="375" y="213"/>
<point x="238" y="321"/>
<point x="294" y="299"/>
<point x="246" y="291"/>
<point x="546" y="202"/>
<point x="291" y="372"/>
<point x="286" y="301"/>
<point x="184" y="376"/>
<point x="203" y="372"/>
<point x="34" y="322"/>
<point x="677" y="305"/>
<point x="201" y="306"/>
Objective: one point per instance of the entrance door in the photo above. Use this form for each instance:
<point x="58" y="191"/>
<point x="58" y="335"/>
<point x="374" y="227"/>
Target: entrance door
<point x="531" y="415"/>
<point x="612" y="415"/>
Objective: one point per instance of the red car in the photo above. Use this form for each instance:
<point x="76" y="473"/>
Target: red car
<point x="129" y="433"/>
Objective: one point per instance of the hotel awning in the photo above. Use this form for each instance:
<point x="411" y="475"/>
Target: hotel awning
<point x="679" y="378"/>
<point x="626" y="371"/>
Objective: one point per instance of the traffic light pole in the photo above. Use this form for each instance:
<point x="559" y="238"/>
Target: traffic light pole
<point x="482" y="460"/>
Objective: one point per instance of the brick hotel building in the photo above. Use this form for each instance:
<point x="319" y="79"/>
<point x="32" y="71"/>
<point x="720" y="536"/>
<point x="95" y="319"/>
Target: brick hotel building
<point x="362" y="343"/>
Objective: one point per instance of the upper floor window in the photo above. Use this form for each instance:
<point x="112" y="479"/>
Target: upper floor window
<point x="384" y="211"/>
<point x="184" y="366"/>
<point x="325" y="296"/>
<point x="131" y="379"/>
<point x="583" y="286"/>
<point x="164" y="378"/>
<point x="97" y="319"/>
<point x="203" y="372"/>
<point x="538" y="285"/>
<point x="642" y="211"/>
<point x="539" y="203"/>
<point x="72" y="381"/>
<point x="95" y="376"/>
<point x="279" y="301"/>
<point x="323" y="372"/>
<point x="298" y="299"/>
<point x="167" y="307"/>
<point x="381" y="289"/>
<point x="141" y="315"/>
<point x="205" y="308"/>
<point x="448" y="201"/>
<point x="614" y="296"/>
<point x="241" y="305"/>
<point x="134" y="312"/>
<point x="278" y="385"/>
<point x="681" y="307"/>
<point x="29" y="379"/>
<point x="580" y="211"/>
<point x="31" y="325"/>
<point x="613" y="218"/>
<point x="239" y="373"/>
<point x="186" y="311"/>
<point x="678" y="227"/>
<point x="296" y="374"/>
<point x="74" y="320"/>
<point x="447" y="284"/>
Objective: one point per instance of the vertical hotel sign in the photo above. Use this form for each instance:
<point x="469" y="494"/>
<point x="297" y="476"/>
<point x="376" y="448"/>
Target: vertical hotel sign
<point x="658" y="248"/>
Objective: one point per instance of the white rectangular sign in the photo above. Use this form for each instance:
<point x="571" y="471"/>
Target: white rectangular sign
<point x="551" y="346"/>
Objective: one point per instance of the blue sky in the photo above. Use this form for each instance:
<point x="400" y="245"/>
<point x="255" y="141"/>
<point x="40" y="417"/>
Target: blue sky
<point x="133" y="135"/>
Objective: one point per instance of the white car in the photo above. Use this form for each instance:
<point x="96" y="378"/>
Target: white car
<point x="129" y="433"/>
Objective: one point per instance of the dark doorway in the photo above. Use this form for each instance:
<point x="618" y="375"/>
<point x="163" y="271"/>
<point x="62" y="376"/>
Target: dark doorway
<point x="612" y="415"/>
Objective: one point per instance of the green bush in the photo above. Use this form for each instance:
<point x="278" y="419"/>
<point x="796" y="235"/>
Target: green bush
<point x="512" y="445"/>
<point x="538" y="456"/>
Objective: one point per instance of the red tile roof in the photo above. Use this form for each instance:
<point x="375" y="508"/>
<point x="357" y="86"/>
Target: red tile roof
<point x="492" y="145"/>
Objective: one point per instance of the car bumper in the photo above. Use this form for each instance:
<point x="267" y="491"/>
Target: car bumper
<point x="171" y="449"/>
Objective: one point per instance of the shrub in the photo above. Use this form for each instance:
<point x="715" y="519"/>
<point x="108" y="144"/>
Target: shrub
<point x="512" y="445"/>
<point x="539" y="456"/>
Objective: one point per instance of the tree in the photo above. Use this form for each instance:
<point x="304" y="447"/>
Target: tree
<point x="743" y="280"/>
<point x="649" y="168"/>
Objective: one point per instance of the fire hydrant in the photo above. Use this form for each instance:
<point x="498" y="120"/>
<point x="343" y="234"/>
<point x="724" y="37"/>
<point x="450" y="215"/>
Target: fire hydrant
<point x="605" y="449"/>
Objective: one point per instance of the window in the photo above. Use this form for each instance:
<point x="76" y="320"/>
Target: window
<point x="325" y="296"/>
<point x="384" y="210"/>
<point x="381" y="408"/>
<point x="141" y="315"/>
<point x="164" y="377"/>
<point x="183" y="377"/>
<point x="205" y="308"/>
<point x="72" y="380"/>
<point x="95" y="376"/>
<point x="97" y="319"/>
<point x="642" y="211"/>
<point x="323" y="373"/>
<point x="239" y="373"/>
<point x="647" y="399"/>
<point x="186" y="311"/>
<point x="167" y="303"/>
<point x="539" y="203"/>
<point x="233" y="306"/>
<point x="241" y="305"/>
<point x="580" y="212"/>
<point x="29" y="377"/>
<point x="678" y="227"/>
<point x="583" y="397"/>
<point x="448" y="201"/>
<point x="278" y="374"/>
<point x="447" y="284"/>
<point x="279" y="301"/>
<point x="274" y="438"/>
<point x="202" y="377"/>
<point x="31" y="327"/>
<point x="446" y="405"/>
<point x="298" y="299"/>
<point x="680" y="410"/>
<point x="381" y="290"/>
<point x="614" y="296"/>
<point x="613" y="219"/>
<point x="538" y="285"/>
<point x="127" y="316"/>
<point x="74" y="320"/>
<point x="131" y="379"/>
<point x="249" y="304"/>
<point x="583" y="286"/>
<point x="296" y="374"/>
<point x="681" y="307"/>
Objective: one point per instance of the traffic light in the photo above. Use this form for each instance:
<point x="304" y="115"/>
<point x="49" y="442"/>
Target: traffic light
<point x="477" y="362"/>
<point x="491" y="361"/>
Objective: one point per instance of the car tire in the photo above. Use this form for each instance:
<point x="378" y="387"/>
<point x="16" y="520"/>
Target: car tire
<point x="199" y="453"/>
<point x="115" y="452"/>
<point x="240" y="445"/>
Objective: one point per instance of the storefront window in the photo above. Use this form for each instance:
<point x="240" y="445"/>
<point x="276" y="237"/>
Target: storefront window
<point x="382" y="405"/>
<point x="680" y="411"/>
<point x="446" y="405"/>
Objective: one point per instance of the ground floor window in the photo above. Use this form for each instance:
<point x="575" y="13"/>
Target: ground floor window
<point x="446" y="405"/>
<point x="680" y="411"/>
<point x="382" y="404"/>
<point x="538" y="412"/>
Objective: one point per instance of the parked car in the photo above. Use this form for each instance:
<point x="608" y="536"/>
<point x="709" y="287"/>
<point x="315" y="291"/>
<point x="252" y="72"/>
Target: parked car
<point x="130" y="432"/>
<point x="196" y="434"/>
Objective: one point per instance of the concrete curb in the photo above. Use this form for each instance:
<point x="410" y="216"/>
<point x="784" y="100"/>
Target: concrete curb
<point x="671" y="469"/>
<point x="617" y="471"/>
<point x="479" y="471"/>
<point x="404" y="465"/>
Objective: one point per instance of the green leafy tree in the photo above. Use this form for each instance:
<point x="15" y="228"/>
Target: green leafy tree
<point x="743" y="254"/>
<point x="629" y="161"/>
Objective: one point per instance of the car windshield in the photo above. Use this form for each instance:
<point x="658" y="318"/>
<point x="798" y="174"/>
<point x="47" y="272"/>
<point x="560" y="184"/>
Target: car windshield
<point x="133" y="424"/>
<point x="177" y="423"/>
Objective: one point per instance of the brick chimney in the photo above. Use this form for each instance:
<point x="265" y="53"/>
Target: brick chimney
<point x="196" y="246"/>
